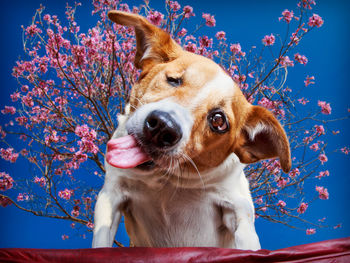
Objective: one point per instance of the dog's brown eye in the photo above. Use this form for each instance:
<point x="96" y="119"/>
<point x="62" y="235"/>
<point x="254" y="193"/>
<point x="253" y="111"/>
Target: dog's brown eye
<point x="217" y="121"/>
<point x="175" y="82"/>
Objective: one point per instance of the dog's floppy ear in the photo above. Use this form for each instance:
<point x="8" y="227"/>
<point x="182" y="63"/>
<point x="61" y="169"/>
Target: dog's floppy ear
<point x="262" y="137"/>
<point x="153" y="45"/>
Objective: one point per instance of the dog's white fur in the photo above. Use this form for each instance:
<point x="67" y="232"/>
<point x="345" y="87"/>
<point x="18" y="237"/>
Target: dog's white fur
<point x="213" y="210"/>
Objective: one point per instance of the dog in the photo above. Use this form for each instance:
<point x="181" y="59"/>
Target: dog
<point x="174" y="166"/>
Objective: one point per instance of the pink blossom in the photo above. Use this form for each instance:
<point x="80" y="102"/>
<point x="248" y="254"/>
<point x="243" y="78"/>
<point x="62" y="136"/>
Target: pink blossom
<point x="189" y="38"/>
<point x="221" y="35"/>
<point x="87" y="138"/>
<point x="90" y="225"/>
<point x="32" y="30"/>
<point x="8" y="154"/>
<point x="191" y="47"/>
<point x="188" y="11"/>
<point x="337" y="226"/>
<point x="6" y="181"/>
<point x="64" y="237"/>
<point x="51" y="137"/>
<point x="41" y="181"/>
<point x="209" y="20"/>
<point x="65" y="194"/>
<point x="295" y="38"/>
<point x="80" y="157"/>
<point x="79" y="53"/>
<point x="314" y="147"/>
<point x="281" y="182"/>
<point x="155" y="17"/>
<point x="322" y="219"/>
<point x="22" y="197"/>
<point x="273" y="191"/>
<point x="15" y="96"/>
<point x="345" y="150"/>
<point x="281" y="203"/>
<point x="294" y="173"/>
<point x="286" y="62"/>
<point x="24" y="88"/>
<point x="174" y="6"/>
<point x="264" y="208"/>
<point x="306" y="4"/>
<point x="259" y="201"/>
<point x="322" y="192"/>
<point x="205" y="41"/>
<point x="268" y="40"/>
<point x="9" y="110"/>
<point x="308" y="139"/>
<point x="322" y="174"/>
<point x="182" y="32"/>
<point x="82" y="131"/>
<point x="323" y="158"/>
<point x="275" y="106"/>
<point x="325" y="107"/>
<point x="75" y="212"/>
<point x="28" y="100"/>
<point x="308" y="81"/>
<point x="251" y="74"/>
<point x="303" y="101"/>
<point x="236" y="49"/>
<point x="47" y="17"/>
<point x="239" y="78"/>
<point x="301" y="58"/>
<point x="315" y="20"/>
<point x="273" y="166"/>
<point x="287" y="16"/>
<point x="310" y="231"/>
<point x="302" y="208"/>
<point x="22" y="120"/>
<point x="319" y="130"/>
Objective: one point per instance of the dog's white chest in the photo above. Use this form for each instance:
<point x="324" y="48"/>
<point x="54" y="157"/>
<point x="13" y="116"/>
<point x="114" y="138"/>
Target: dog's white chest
<point x="170" y="216"/>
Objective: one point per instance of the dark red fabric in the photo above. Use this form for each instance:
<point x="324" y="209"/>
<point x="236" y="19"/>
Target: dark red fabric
<point x="337" y="250"/>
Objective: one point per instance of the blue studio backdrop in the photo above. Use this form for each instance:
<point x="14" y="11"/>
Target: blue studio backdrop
<point x="327" y="49"/>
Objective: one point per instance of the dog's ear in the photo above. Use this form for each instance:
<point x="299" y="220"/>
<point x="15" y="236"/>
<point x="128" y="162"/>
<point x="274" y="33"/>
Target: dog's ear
<point x="262" y="137"/>
<point x="153" y="45"/>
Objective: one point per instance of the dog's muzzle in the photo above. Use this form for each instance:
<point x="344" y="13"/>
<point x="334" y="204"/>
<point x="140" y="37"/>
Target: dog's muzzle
<point x="158" y="135"/>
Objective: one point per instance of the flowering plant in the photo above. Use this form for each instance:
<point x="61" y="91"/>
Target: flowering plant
<point x="71" y="86"/>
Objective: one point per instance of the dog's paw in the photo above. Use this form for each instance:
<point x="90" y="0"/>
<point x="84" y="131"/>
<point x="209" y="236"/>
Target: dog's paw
<point x="101" y="237"/>
<point x="246" y="239"/>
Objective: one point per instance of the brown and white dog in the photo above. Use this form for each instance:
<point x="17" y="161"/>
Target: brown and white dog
<point x="174" y="167"/>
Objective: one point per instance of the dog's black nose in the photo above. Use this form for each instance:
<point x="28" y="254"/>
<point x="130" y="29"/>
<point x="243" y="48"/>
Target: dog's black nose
<point x="161" y="130"/>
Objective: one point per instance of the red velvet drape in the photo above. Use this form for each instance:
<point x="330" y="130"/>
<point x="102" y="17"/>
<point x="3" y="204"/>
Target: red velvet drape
<point x="337" y="250"/>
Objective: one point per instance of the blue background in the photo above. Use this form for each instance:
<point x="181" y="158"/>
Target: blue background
<point x="246" y="22"/>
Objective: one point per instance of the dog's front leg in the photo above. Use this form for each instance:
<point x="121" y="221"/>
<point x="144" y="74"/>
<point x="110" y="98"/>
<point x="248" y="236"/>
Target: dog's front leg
<point x="238" y="217"/>
<point x="106" y="218"/>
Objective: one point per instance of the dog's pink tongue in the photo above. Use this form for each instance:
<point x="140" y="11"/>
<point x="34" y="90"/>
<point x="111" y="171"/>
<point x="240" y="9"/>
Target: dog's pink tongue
<point x="125" y="153"/>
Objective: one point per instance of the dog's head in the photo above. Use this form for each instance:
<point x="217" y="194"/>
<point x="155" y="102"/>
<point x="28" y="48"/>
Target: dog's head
<point x="187" y="112"/>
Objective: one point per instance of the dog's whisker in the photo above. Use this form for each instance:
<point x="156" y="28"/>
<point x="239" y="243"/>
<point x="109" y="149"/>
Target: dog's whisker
<point x="178" y="182"/>
<point x="132" y="106"/>
<point x="189" y="159"/>
<point x="165" y="175"/>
